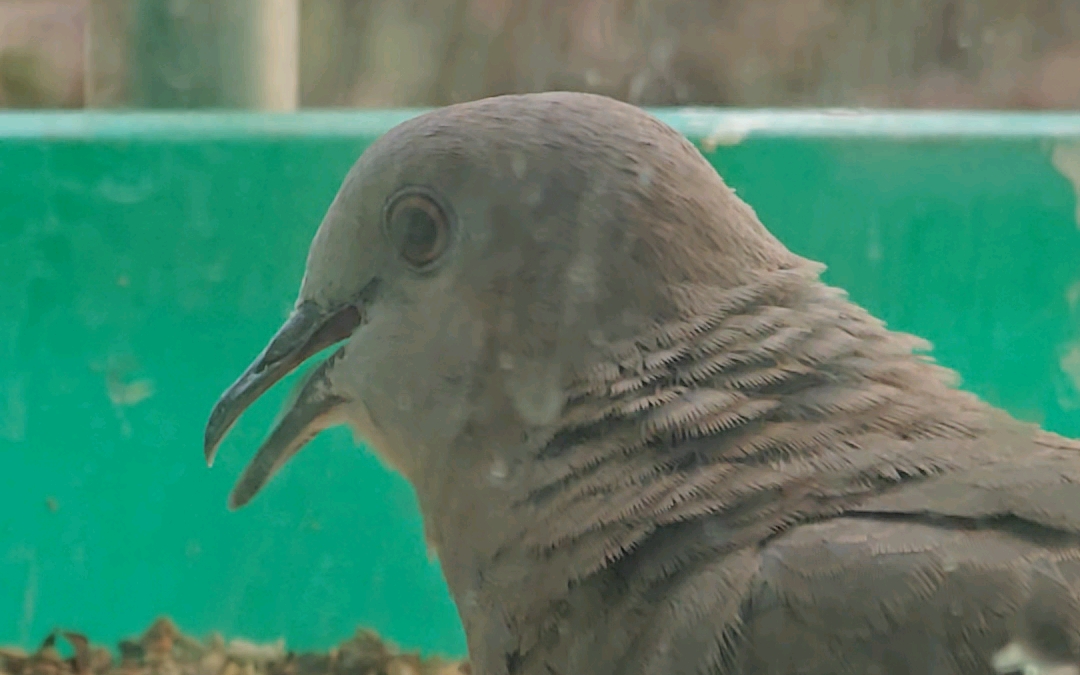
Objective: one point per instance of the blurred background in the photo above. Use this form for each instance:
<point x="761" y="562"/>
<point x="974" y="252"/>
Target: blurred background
<point x="284" y="54"/>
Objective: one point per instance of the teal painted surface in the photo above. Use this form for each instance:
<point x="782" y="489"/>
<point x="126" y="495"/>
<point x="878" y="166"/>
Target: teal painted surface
<point x="147" y="258"/>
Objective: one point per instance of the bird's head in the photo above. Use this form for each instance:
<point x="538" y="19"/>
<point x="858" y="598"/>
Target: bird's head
<point x="474" y="258"/>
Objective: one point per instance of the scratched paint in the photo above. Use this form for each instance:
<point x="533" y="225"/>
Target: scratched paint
<point x="1070" y="365"/>
<point x="1070" y="359"/>
<point x="725" y="135"/>
<point x="1066" y="159"/>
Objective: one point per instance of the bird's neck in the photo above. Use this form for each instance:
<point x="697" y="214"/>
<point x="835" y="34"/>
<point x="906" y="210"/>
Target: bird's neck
<point x="757" y="392"/>
<point x="763" y="405"/>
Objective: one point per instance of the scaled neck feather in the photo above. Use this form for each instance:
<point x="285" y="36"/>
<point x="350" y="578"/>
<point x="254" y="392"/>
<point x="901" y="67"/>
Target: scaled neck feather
<point x="770" y="403"/>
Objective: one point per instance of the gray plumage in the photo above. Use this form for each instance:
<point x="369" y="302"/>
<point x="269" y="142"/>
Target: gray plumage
<point x="645" y="437"/>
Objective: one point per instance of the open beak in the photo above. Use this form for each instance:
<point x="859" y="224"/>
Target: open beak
<point x="308" y="330"/>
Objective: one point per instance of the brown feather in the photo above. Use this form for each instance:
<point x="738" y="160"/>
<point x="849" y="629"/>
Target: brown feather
<point x="648" y="440"/>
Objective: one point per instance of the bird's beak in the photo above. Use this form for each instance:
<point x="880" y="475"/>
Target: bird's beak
<point x="308" y="330"/>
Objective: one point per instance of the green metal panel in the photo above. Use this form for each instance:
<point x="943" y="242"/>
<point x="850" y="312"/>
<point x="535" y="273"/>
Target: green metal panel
<point x="147" y="258"/>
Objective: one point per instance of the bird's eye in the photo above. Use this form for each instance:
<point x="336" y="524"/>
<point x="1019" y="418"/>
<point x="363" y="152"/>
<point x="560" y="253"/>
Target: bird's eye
<point x="418" y="228"/>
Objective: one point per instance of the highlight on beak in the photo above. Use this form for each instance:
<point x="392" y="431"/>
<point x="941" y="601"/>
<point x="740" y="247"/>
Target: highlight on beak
<point x="307" y="331"/>
<point x="314" y="407"/>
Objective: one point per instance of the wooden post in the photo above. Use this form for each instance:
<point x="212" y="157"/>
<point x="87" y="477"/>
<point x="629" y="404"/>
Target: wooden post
<point x="277" y="36"/>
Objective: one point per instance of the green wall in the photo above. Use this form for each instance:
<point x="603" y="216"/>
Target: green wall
<point x="147" y="258"/>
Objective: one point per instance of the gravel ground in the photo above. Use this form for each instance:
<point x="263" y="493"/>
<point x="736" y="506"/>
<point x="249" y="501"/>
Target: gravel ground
<point x="164" y="650"/>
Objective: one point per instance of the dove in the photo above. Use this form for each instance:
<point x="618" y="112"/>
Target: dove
<point x="644" y="436"/>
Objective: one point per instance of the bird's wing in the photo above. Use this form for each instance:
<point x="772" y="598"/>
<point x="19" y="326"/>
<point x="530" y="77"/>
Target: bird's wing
<point x="864" y="595"/>
<point x="968" y="573"/>
<point x="1035" y="482"/>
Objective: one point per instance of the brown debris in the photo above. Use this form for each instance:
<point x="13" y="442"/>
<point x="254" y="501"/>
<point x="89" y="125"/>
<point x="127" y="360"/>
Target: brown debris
<point x="164" y="650"/>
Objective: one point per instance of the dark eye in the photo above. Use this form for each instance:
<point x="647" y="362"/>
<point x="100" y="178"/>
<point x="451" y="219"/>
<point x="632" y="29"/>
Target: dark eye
<point x="418" y="228"/>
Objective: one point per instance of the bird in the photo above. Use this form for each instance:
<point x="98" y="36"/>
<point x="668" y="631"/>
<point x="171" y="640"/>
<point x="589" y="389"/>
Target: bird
<point x="647" y="438"/>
